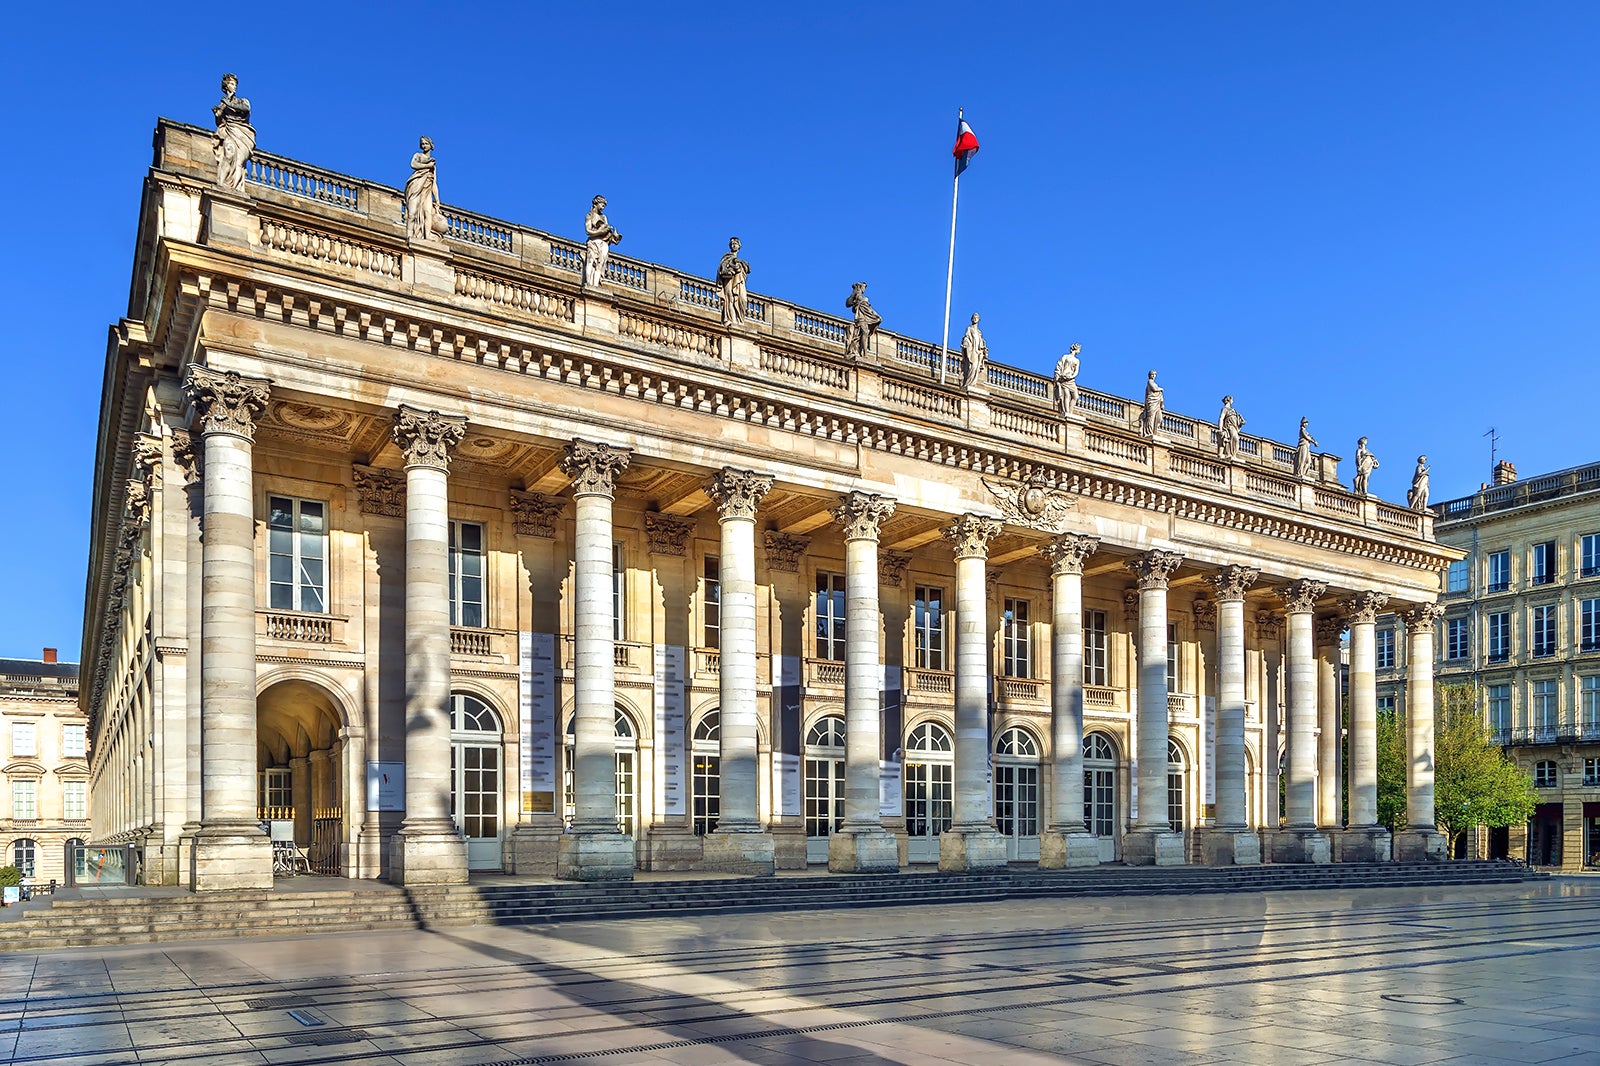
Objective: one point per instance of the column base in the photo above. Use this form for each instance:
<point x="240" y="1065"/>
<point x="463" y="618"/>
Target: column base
<point x="1297" y="846"/>
<point x="863" y="851"/>
<point x="1057" y="850"/>
<point x="788" y="846"/>
<point x="1153" y="847"/>
<point x="534" y="849"/>
<point x="595" y="857"/>
<point x="1421" y="845"/>
<point x="670" y="847"/>
<point x="976" y="848"/>
<point x="1228" y="847"/>
<point x="1367" y="843"/>
<point x="428" y="854"/>
<point x="751" y="853"/>
<point x="225" y="857"/>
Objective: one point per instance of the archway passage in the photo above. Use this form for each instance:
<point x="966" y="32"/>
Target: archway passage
<point x="300" y="763"/>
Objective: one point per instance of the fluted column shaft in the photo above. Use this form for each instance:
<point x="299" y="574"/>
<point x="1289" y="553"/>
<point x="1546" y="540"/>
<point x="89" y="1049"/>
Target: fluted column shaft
<point x="1232" y="797"/>
<point x="1066" y="554"/>
<point x="737" y="493"/>
<point x="1419" y="717"/>
<point x="1154" y="569"/>
<point x="427" y="648"/>
<point x="970" y="536"/>
<point x="862" y="515"/>
<point x="1300" y="603"/>
<point x="1364" y="709"/>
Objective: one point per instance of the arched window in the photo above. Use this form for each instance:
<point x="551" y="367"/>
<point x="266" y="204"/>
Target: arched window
<point x="25" y="856"/>
<point x="627" y="749"/>
<point x="475" y="778"/>
<point x="824" y="782"/>
<point x="1016" y="788"/>
<point x="929" y="786"/>
<point x="1544" y="774"/>
<point x="706" y="748"/>
<point x="1177" y="807"/>
<point x="1100" y="785"/>
<point x="469" y="714"/>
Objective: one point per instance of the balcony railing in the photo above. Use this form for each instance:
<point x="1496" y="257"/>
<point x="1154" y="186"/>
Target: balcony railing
<point x="826" y="673"/>
<point x="935" y="683"/>
<point x="1100" y="697"/>
<point x="298" y="626"/>
<point x="1020" y="689"/>
<point x="707" y="662"/>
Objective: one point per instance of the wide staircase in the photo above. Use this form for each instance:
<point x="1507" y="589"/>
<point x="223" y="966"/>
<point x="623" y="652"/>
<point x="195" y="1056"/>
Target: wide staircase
<point x="304" y="906"/>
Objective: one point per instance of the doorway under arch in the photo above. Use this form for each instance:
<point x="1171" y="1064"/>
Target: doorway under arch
<point x="300" y="767"/>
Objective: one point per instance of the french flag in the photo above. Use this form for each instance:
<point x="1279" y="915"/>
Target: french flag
<point x="966" y="145"/>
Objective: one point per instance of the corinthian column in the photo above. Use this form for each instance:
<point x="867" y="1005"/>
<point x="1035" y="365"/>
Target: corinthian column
<point x="1300" y="841"/>
<point x="428" y="849"/>
<point x="1152" y="841"/>
<point x="594" y="849"/>
<point x="230" y="850"/>
<point x="1366" y="840"/>
<point x="1067" y="841"/>
<point x="740" y="843"/>
<point x="1230" y="841"/>
<point x="862" y="845"/>
<point x="1421" y="841"/>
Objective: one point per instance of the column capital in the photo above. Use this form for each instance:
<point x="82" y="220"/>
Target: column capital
<point x="969" y="535"/>
<point x="379" y="490"/>
<point x="892" y="567"/>
<point x="1364" y="607"/>
<point x="534" y="514"/>
<point x="593" y="467"/>
<point x="226" y="402"/>
<point x="1300" y="597"/>
<point x="1420" y="618"/>
<point x="1232" y="581"/>
<point x="1155" y="568"/>
<point x="784" y="551"/>
<point x="1329" y="628"/>
<point x="667" y="534"/>
<point x="738" y="492"/>
<point x="426" y="438"/>
<point x="862" y="514"/>
<point x="1068" y="551"/>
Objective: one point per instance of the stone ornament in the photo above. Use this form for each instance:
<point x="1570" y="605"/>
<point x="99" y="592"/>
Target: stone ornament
<point x="1417" y="498"/>
<point x="1300" y="597"/>
<point x="1068" y="551"/>
<point x="784" y="551"/>
<point x="1269" y="626"/>
<point x="136" y="503"/>
<point x="1130" y="607"/>
<point x="974" y="356"/>
<point x="380" y="491"/>
<point x="738" y="492"/>
<point x="1420" y="618"/>
<point x="226" y="402"/>
<point x="1366" y="463"/>
<point x="892" y="567"/>
<point x="862" y="514"/>
<point x="1231" y="582"/>
<point x="1205" y="615"/>
<point x="534" y="514"/>
<point x="424" y="220"/>
<point x="667" y="534"/>
<point x="187" y="456"/>
<point x="1154" y="568"/>
<point x="1329" y="628"/>
<point x="598" y="237"/>
<point x="1155" y="406"/>
<point x="732" y="273"/>
<point x="146" y="461"/>
<point x="970" y="534"/>
<point x="865" y="324"/>
<point x="235" y="138"/>
<point x="1302" y="452"/>
<point x="593" y="468"/>
<point x="1035" y="503"/>
<point x="1364" y="607"/>
<point x="426" y="438"/>
<point x="1067" y="381"/>
<point x="1229" y="423"/>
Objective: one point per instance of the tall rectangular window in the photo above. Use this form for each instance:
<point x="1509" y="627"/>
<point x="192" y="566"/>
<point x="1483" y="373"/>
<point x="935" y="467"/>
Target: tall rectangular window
<point x="1456" y="578"/>
<point x="1499" y="571"/>
<point x="75" y="800"/>
<point x="297" y="554"/>
<point x="1386" y="705"/>
<point x="619" y="593"/>
<point x="466" y="574"/>
<point x="1589" y="624"/>
<point x="1094" y="648"/>
<point x="928" y="628"/>
<point x="24" y="800"/>
<point x="1499" y="636"/>
<point x="1017" y="639"/>
<point x="1544" y="630"/>
<point x="24" y="740"/>
<point x="1589" y="701"/>
<point x="1589" y="551"/>
<point x="1172" y="657"/>
<point x="1544" y="708"/>
<point x="830" y="616"/>
<point x="1456" y="644"/>
<point x="711" y="601"/>
<point x="1500" y="710"/>
<point x="1544" y="563"/>
<point x="1385" y="649"/>
<point x="74" y="741"/>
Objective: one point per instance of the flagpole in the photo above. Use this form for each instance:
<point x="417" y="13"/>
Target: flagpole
<point x="950" y="271"/>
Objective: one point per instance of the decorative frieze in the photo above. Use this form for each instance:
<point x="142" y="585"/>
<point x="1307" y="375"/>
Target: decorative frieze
<point x="1231" y="582"/>
<point x="1154" y="568"/>
<point x="784" y="551"/>
<point x="1364" y="607"/>
<point x="667" y="534"/>
<point x="1300" y="597"/>
<point x="1068" y="551"/>
<point x="892" y="567"/>
<point x="969" y="535"/>
<point x="534" y="514"/>
<point x="380" y="491"/>
<point x="862" y="514"/>
<point x="225" y="402"/>
<point x="426" y="438"/>
<point x="593" y="467"/>
<point x="738" y="492"/>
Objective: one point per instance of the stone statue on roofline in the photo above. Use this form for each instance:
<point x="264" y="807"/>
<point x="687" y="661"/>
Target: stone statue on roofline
<point x="974" y="355"/>
<point x="731" y="274"/>
<point x="1067" y="381"/>
<point x="600" y="237"/>
<point x="235" y="138"/>
<point x="1154" y="407"/>
<point x="1366" y="463"/>
<point x="1229" y="423"/>
<point x="1302" y="451"/>
<point x="1417" y="498"/>
<point x="865" y="324"/>
<point x="424" y="220"/>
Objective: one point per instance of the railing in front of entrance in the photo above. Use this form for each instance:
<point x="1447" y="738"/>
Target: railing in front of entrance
<point x="327" y="830"/>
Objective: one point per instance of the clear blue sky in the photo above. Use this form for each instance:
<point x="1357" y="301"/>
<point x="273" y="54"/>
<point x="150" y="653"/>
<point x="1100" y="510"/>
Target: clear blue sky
<point x="1380" y="216"/>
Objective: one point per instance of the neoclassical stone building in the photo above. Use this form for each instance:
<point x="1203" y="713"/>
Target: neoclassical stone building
<point x="407" y="532"/>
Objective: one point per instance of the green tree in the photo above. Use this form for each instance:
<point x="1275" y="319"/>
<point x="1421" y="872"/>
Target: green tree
<point x="1475" y="783"/>
<point x="1391" y="772"/>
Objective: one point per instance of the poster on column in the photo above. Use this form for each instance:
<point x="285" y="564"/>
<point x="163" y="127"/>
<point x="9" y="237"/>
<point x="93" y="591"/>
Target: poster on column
<point x="786" y="698"/>
<point x="786" y="784"/>
<point x="1209" y="752"/>
<point x="386" y="786"/>
<point x="539" y="725"/>
<point x="669" y="660"/>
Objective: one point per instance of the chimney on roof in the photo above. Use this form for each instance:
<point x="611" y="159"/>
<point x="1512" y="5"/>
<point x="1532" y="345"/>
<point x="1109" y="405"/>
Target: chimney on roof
<point x="1504" y="472"/>
<point x="49" y="655"/>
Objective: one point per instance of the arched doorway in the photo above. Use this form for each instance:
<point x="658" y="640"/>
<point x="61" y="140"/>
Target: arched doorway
<point x="477" y="746"/>
<point x="824" y="784"/>
<point x="625" y="777"/>
<point x="1016" y="793"/>
<point x="1177" y="790"/>
<point x="706" y="751"/>
<point x="300" y="767"/>
<point x="929" y="790"/>
<point x="25" y="856"/>
<point x="1100" y="792"/>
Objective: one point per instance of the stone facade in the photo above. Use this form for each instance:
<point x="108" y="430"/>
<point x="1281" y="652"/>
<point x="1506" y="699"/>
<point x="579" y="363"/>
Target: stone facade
<point x="577" y="579"/>
<point x="45" y="786"/>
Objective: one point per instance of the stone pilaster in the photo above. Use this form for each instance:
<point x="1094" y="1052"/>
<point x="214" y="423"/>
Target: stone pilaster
<point x="1329" y="724"/>
<point x="1365" y="840"/>
<point x="594" y="849"/>
<point x="1421" y="841"/>
<point x="1067" y="840"/>
<point x="1300" y="840"/>
<point x="862" y="845"/>
<point x="229" y="849"/>
<point x="1230" y="841"/>
<point x="740" y="843"/>
<point x="1152" y="841"/>
<point x="428" y="849"/>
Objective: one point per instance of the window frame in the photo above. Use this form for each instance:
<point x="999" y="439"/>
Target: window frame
<point x="299" y="583"/>
<point x="1498" y="698"/>
<point x="1499" y="626"/>
<point x="25" y="787"/>
<point x="1383" y="649"/>
<point x="29" y="749"/>
<point x="1589" y="624"/>
<point x="1542" y="630"/>
<point x="1458" y="577"/>
<point x="1016" y="637"/>
<point x="1544" y="707"/>
<point x="929" y="625"/>
<point x="1458" y="639"/>
<point x="1542" y="570"/>
<point x="1499" y="571"/>
<point x="459" y="553"/>
<point x="80" y="800"/>
<point x="1589" y="555"/>
<point x="78" y="749"/>
<point x="829" y="607"/>
<point x="711" y="603"/>
<point x="1096" y="658"/>
<point x="1545" y="774"/>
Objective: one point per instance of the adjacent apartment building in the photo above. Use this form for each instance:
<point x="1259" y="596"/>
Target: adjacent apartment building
<point x="46" y="791"/>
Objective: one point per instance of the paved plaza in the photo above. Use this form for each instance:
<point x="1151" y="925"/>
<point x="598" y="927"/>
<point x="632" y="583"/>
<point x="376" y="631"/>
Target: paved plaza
<point x="1486" y="975"/>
